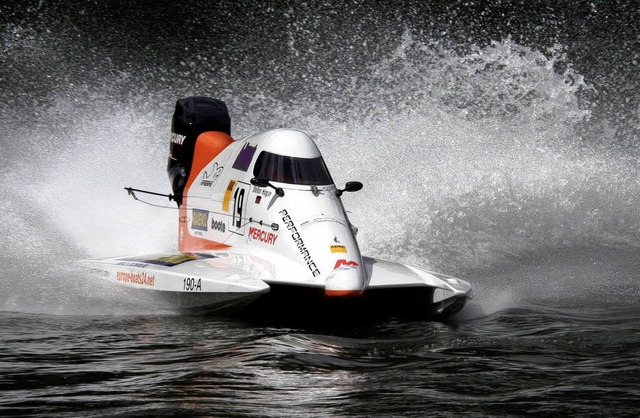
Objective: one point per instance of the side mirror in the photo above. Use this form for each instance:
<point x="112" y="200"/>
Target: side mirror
<point x="351" y="186"/>
<point x="260" y="182"/>
<point x="263" y="182"/>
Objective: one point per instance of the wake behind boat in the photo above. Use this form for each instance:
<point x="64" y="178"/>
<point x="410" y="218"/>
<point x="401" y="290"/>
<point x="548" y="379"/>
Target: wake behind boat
<point x="262" y="229"/>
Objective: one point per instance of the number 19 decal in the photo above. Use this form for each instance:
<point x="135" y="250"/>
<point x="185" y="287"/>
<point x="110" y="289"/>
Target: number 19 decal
<point x="238" y="206"/>
<point x="237" y="191"/>
<point x="238" y="213"/>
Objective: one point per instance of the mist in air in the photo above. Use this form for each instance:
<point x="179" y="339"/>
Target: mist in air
<point x="499" y="151"/>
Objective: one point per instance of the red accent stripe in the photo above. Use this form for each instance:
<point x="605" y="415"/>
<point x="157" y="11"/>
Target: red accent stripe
<point x="344" y="262"/>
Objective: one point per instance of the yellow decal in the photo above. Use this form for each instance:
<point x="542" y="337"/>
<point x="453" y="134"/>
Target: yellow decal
<point x="200" y="219"/>
<point x="227" y="195"/>
<point x="173" y="260"/>
<point x="338" y="249"/>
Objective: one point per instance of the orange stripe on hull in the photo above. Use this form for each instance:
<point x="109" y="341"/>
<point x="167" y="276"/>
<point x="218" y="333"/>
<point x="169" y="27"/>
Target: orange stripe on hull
<point x="208" y="146"/>
<point x="343" y="293"/>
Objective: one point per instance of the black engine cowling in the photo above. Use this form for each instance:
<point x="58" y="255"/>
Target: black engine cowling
<point x="193" y="116"/>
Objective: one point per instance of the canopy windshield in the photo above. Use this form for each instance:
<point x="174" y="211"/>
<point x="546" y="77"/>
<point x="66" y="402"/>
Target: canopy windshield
<point x="309" y="171"/>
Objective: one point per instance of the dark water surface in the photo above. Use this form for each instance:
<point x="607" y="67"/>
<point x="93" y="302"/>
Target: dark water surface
<point x="531" y="360"/>
<point x="496" y="142"/>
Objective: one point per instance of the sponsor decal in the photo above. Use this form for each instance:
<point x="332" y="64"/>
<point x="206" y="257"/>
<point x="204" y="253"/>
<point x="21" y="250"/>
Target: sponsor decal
<point x="338" y="249"/>
<point x="177" y="139"/>
<point x="343" y="262"/>
<point x="258" y="199"/>
<point x="218" y="225"/>
<point x="227" y="195"/>
<point x="200" y="219"/>
<point x="261" y="191"/>
<point x="262" y="236"/>
<point x="297" y="239"/>
<point x="171" y="260"/>
<point x="210" y="175"/>
<point x="142" y="278"/>
<point x="243" y="160"/>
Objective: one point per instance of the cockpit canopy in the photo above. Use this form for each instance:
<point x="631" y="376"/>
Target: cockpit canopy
<point x="292" y="170"/>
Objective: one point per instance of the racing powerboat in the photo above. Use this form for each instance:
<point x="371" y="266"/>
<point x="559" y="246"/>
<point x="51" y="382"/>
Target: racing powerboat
<point x="262" y="229"/>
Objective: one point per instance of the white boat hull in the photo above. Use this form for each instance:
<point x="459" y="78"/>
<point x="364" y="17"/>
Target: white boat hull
<point x="182" y="281"/>
<point x="229" y="281"/>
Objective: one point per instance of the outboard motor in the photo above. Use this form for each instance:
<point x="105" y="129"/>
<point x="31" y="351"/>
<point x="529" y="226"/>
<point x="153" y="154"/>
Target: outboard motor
<point x="193" y="116"/>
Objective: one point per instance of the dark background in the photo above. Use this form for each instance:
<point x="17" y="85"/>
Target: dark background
<point x="145" y="48"/>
